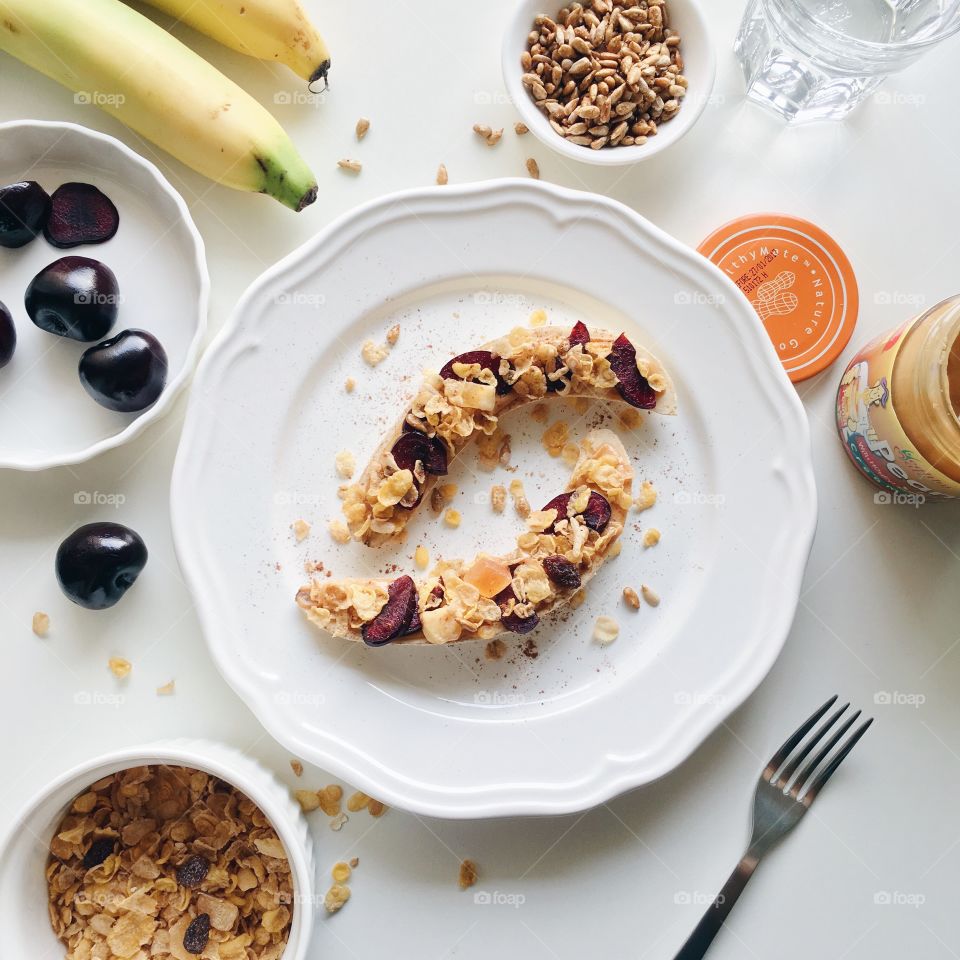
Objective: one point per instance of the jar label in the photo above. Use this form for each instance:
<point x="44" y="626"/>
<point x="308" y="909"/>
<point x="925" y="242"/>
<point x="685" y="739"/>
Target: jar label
<point x="871" y="431"/>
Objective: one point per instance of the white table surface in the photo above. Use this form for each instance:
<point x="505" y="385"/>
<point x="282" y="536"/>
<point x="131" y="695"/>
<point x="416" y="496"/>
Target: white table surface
<point x="871" y="873"/>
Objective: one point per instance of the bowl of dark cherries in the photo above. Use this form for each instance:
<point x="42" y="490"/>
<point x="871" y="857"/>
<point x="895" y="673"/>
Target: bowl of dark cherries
<point x="77" y="297"/>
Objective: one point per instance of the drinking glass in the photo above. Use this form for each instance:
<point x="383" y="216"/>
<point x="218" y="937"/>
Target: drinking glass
<point x="818" y="59"/>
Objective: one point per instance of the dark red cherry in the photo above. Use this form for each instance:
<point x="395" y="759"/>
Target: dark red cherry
<point x="579" y="334"/>
<point x="126" y="373"/>
<point x="512" y="621"/>
<point x="98" y="563"/>
<point x="596" y="516"/>
<point x="485" y="359"/>
<point x="413" y="446"/>
<point x="24" y="208"/>
<point x="74" y="297"/>
<point x="8" y="336"/>
<point x="396" y="615"/>
<point x="633" y="387"/>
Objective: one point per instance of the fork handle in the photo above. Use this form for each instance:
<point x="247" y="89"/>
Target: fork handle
<point x="710" y="923"/>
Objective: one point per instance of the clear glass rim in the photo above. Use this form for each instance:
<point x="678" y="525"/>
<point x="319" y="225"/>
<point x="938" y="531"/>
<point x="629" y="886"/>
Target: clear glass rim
<point x="793" y="11"/>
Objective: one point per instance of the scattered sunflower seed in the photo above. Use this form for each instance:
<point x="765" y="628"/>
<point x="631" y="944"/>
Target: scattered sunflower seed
<point x="354" y="166"/>
<point x="650" y="595"/>
<point x="363" y="125"/>
<point x="442" y="178"/>
<point x="630" y="598"/>
<point x="533" y="168"/>
<point x="520" y="128"/>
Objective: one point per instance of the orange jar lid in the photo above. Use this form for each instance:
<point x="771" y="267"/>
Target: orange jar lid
<point x="797" y="279"/>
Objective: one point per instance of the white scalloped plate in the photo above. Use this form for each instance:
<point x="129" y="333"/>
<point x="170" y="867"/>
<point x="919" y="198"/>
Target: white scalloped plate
<point x="443" y="731"/>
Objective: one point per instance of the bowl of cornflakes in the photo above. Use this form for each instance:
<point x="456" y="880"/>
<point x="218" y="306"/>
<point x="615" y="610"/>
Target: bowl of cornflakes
<point x="179" y="849"/>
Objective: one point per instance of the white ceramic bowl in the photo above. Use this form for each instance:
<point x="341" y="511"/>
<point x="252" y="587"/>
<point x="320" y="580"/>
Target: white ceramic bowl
<point x="24" y="850"/>
<point x="46" y="417"/>
<point x="700" y="68"/>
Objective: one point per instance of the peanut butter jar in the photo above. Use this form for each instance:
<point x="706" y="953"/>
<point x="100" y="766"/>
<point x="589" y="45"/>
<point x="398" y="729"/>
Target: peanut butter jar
<point x="898" y="407"/>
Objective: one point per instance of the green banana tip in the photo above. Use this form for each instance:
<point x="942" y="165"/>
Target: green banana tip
<point x="309" y="197"/>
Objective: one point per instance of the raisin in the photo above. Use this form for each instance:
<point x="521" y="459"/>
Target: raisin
<point x="485" y="359"/>
<point x="430" y="451"/>
<point x="98" y="851"/>
<point x="396" y="615"/>
<point x="562" y="572"/>
<point x="596" y="516"/>
<point x="579" y="334"/>
<point x="197" y="935"/>
<point x="192" y="872"/>
<point x="633" y="387"/>
<point x="512" y="621"/>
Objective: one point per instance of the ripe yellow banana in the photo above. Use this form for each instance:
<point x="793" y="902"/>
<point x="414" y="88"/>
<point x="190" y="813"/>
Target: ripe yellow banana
<point x="274" y="30"/>
<point x="120" y="60"/>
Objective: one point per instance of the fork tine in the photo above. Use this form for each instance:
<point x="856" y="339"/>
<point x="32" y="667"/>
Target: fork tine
<point x="827" y="772"/>
<point x="812" y="765"/>
<point x="777" y="759"/>
<point x="791" y="768"/>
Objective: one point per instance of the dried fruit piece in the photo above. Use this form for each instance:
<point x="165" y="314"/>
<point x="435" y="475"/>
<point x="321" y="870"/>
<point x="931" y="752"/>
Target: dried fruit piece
<point x="357" y="801"/>
<point x="308" y="800"/>
<point x="413" y="446"/>
<point x="579" y="335"/>
<point x="632" y="386"/>
<point x="489" y="575"/>
<point x="486" y="361"/>
<point x="468" y="874"/>
<point x="596" y="516"/>
<point x="452" y="518"/>
<point x="562" y="572"/>
<point x="513" y="621"/>
<point x="191" y="873"/>
<point x="197" y="935"/>
<point x="98" y="851"/>
<point x="297" y="767"/>
<point x="396" y="615"/>
<point x="330" y="797"/>
<point x="376" y="808"/>
<point x="363" y="125"/>
<point x="80" y="213"/>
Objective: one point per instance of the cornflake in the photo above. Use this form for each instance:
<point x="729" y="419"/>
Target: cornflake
<point x="498" y="497"/>
<point x="336" y="897"/>
<point x="119" y="667"/>
<point x="308" y="800"/>
<point x="148" y="853"/>
<point x="652" y="537"/>
<point x="538" y="318"/>
<point x="301" y="530"/>
<point x="341" y="871"/>
<point x="374" y="353"/>
<point x="647" y="496"/>
<point x="41" y="624"/>
<point x="468" y="874"/>
<point x="376" y="808"/>
<point x="605" y="631"/>
<point x="338" y="821"/>
<point x="346" y="464"/>
<point x="555" y="438"/>
<point x="168" y="689"/>
<point x="339" y="532"/>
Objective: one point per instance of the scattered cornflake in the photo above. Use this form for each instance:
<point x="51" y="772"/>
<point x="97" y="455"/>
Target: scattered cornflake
<point x="615" y="549"/>
<point x="357" y="801"/>
<point x="350" y="385"/>
<point x="41" y="624"/>
<point x="119" y="667"/>
<point x="540" y="413"/>
<point x="374" y="353"/>
<point x="629" y="418"/>
<point x="570" y="453"/>
<point x="393" y="335"/>
<point x="468" y="874"/>
<point x="338" y="821"/>
<point x="520" y="128"/>
<point x="538" y="318"/>
<point x="308" y="800"/>
<point x="301" y="530"/>
<point x="520" y="502"/>
<point x="605" y="631"/>
<point x="330" y="797"/>
<point x="577" y="599"/>
<point x="339" y="531"/>
<point x="652" y="537"/>
<point x="363" y="125"/>
<point x="630" y="598"/>
<point x="452" y="518"/>
<point x="345" y="463"/>
<point x="421" y="557"/>
<point x="354" y="166"/>
<point x="495" y="650"/>
<point x="533" y="168"/>
<point x="442" y="177"/>
<point x="297" y="767"/>
<point x="555" y="438"/>
<point x="341" y="871"/>
<point x="168" y="689"/>
<point x="650" y="595"/>
<point x="498" y="497"/>
<point x="336" y="897"/>
<point x="647" y="497"/>
<point x="376" y="808"/>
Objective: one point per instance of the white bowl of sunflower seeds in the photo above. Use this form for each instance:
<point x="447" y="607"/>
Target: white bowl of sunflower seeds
<point x="609" y="83"/>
